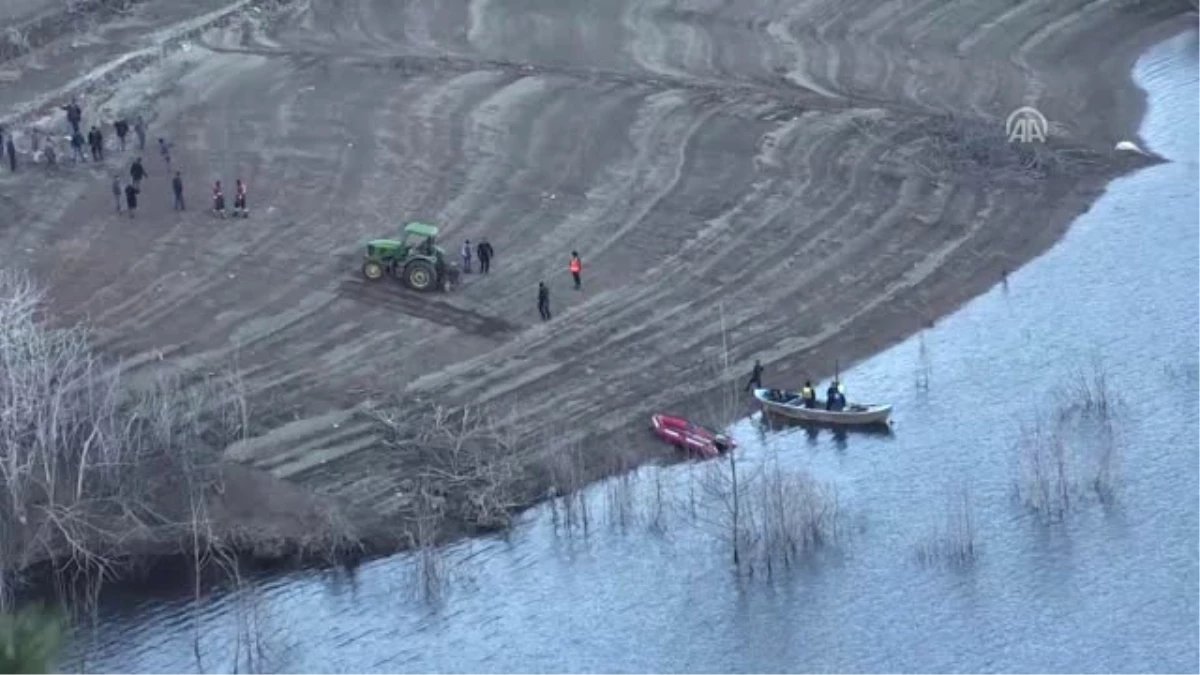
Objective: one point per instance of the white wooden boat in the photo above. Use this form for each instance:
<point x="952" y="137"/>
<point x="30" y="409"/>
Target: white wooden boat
<point x="785" y="403"/>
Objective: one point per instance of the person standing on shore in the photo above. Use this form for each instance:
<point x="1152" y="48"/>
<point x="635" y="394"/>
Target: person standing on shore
<point x="543" y="301"/>
<point x="139" y="128"/>
<point x="239" y="199"/>
<point x="137" y="172"/>
<point x="576" y="267"/>
<point x="12" y="153"/>
<point x="755" y="381"/>
<point x="121" y="126"/>
<point x="116" y="190"/>
<point x="77" y="147"/>
<point x="164" y="149"/>
<point x="485" y="252"/>
<point x="96" y="140"/>
<point x="218" y="200"/>
<point x="177" y="188"/>
<point x="131" y="196"/>
<point x="74" y="116"/>
<point x="465" y="254"/>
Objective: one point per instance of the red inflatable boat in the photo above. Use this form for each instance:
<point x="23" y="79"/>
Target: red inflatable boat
<point x="690" y="437"/>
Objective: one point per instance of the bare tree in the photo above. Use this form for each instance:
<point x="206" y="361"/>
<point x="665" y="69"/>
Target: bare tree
<point x="88" y="461"/>
<point x="469" y="458"/>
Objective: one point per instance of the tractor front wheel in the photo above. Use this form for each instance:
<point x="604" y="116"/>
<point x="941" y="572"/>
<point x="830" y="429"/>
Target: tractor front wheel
<point x="420" y="275"/>
<point x="372" y="270"/>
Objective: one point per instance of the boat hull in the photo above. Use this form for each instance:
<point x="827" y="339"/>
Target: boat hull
<point x="689" y="437"/>
<point x="854" y="414"/>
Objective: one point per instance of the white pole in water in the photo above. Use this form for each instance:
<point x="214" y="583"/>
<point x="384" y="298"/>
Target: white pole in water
<point x="733" y="477"/>
<point x="724" y="337"/>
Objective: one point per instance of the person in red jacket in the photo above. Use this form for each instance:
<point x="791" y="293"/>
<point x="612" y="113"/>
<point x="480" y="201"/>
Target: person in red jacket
<point x="576" y="267"/>
<point x="239" y="200"/>
<point x="218" y="200"/>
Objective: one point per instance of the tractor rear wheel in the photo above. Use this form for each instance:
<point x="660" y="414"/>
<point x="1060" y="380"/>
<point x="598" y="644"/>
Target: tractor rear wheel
<point x="372" y="270"/>
<point x="420" y="275"/>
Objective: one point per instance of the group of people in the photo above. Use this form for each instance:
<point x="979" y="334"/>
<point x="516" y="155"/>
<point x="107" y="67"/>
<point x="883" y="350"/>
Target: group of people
<point x="137" y="173"/>
<point x="835" y="395"/>
<point x="127" y="195"/>
<point x="94" y="137"/>
<point x="239" y="200"/>
<point x="484" y="252"/>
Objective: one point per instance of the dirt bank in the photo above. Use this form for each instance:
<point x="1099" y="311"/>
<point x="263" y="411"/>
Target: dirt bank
<point x="822" y="178"/>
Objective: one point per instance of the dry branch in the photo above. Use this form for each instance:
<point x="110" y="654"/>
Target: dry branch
<point x="469" y="458"/>
<point x="86" y="460"/>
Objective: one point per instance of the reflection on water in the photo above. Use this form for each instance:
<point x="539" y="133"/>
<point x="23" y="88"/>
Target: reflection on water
<point x="648" y="586"/>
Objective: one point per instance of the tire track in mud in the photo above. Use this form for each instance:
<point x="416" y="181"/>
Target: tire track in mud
<point x="396" y="298"/>
<point x="705" y="160"/>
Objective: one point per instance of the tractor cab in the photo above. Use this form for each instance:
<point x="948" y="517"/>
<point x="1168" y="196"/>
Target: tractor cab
<point x="420" y="239"/>
<point x="414" y="258"/>
<point x="417" y="239"/>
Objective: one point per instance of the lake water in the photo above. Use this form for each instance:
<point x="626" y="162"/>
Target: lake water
<point x="1112" y="587"/>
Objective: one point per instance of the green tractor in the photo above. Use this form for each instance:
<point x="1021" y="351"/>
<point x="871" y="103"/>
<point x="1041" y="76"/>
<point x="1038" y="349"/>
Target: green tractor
<point x="415" y="259"/>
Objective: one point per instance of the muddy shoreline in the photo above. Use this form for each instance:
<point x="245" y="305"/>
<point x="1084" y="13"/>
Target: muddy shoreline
<point x="883" y="301"/>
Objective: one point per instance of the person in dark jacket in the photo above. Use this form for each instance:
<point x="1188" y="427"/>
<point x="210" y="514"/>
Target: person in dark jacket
<point x="131" y="196"/>
<point x="116" y="190"/>
<point x="164" y="149"/>
<point x="77" y="147"/>
<point x="543" y="301"/>
<point x="74" y="116"/>
<point x="96" y="143"/>
<point x="137" y="172"/>
<point x="834" y="398"/>
<point x="122" y="128"/>
<point x="177" y="188"/>
<point x="12" y="154"/>
<point x="485" y="252"/>
<point x="755" y="381"/>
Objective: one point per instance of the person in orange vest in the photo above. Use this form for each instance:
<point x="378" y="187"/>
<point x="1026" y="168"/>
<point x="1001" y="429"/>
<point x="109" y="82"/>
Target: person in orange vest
<point x="576" y="268"/>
